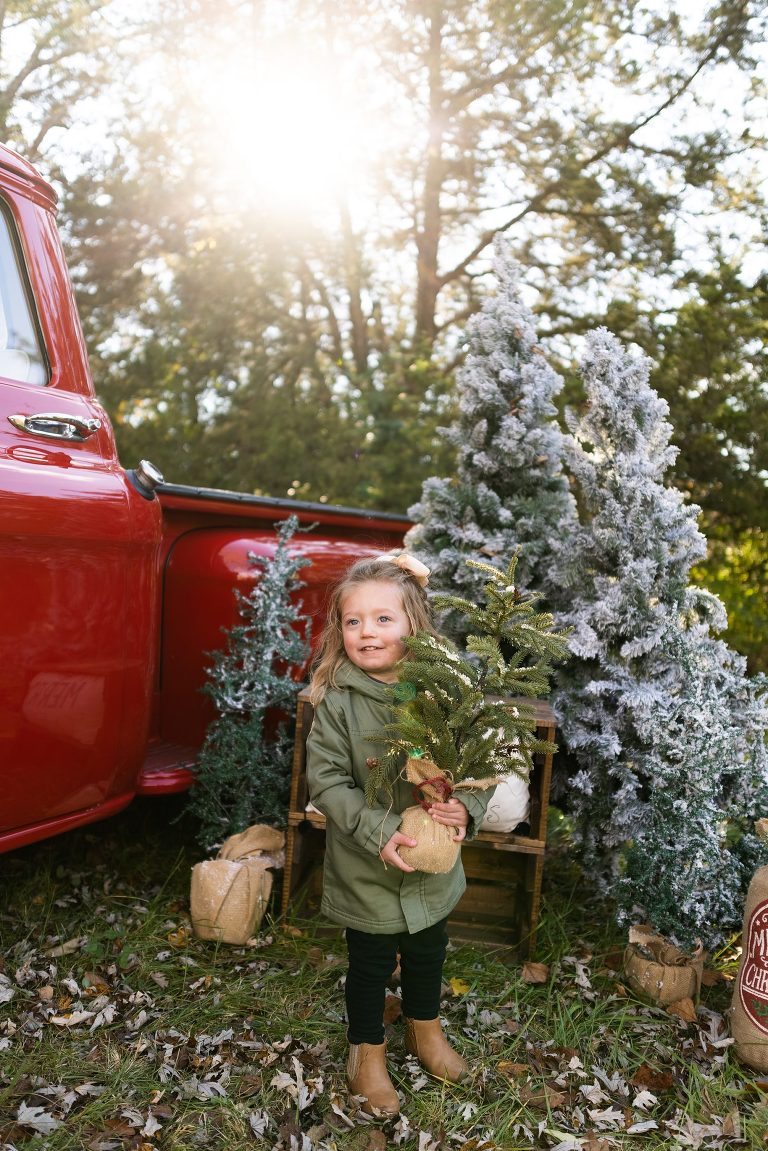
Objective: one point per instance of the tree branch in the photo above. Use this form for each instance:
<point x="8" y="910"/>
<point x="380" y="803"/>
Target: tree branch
<point x="620" y="139"/>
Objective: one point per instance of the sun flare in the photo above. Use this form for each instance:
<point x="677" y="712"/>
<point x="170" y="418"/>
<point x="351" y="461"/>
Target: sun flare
<point x="289" y="132"/>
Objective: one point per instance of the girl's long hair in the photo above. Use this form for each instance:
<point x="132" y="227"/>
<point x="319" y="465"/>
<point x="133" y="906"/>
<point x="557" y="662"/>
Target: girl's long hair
<point x="330" y="649"/>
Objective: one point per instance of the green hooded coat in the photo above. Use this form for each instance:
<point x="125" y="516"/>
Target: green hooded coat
<point x="359" y="891"/>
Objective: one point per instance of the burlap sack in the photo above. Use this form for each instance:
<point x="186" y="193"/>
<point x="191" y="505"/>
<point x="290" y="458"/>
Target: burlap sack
<point x="437" y="848"/>
<point x="228" y="898"/>
<point x="229" y="895"/>
<point x="655" y="968"/>
<point x="749" y="1006"/>
<point x="258" y="839"/>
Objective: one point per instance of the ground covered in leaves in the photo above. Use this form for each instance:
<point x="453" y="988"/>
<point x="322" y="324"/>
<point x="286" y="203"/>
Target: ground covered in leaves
<point x="119" y="1031"/>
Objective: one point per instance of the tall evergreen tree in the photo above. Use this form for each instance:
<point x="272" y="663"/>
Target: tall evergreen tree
<point x="649" y="675"/>
<point x="508" y="490"/>
<point x="242" y="773"/>
<point x="705" y="770"/>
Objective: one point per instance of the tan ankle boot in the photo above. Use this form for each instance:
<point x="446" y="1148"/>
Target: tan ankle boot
<point x="367" y="1075"/>
<point x="424" y="1038"/>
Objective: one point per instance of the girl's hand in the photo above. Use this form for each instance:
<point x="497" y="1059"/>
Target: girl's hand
<point x="452" y="814"/>
<point x="389" y="854"/>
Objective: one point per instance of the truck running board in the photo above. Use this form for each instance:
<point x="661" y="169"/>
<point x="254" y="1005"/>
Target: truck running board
<point x="168" y="768"/>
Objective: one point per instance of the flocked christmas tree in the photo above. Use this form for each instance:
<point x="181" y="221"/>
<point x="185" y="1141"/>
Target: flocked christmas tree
<point x="667" y="731"/>
<point x="243" y="772"/>
<point x="509" y="490"/>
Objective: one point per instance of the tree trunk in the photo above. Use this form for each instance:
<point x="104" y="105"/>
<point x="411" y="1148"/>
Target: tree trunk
<point x="353" y="276"/>
<point x="428" y="229"/>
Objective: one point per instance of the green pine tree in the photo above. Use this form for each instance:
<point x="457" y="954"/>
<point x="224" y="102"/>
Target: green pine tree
<point x="456" y="709"/>
<point x="243" y="772"/>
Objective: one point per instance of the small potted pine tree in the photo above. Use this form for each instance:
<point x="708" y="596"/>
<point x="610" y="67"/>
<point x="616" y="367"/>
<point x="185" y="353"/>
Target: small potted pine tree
<point x="460" y="720"/>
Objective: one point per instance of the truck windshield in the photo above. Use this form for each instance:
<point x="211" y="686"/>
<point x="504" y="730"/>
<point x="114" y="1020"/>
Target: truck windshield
<point x="21" y="356"/>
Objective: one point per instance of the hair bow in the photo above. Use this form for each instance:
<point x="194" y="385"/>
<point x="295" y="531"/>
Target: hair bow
<point x="410" y="564"/>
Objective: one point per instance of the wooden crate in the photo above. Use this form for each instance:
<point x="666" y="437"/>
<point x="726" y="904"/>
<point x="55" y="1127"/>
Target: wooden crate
<point x="504" y="870"/>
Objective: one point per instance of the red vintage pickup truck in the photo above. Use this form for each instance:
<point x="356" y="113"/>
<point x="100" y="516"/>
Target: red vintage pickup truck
<point x="114" y="585"/>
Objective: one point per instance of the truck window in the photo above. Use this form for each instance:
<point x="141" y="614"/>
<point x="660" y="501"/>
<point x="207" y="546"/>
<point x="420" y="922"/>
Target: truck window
<point x="21" y="355"/>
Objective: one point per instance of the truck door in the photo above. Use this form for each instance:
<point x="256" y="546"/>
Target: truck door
<point x="78" y="548"/>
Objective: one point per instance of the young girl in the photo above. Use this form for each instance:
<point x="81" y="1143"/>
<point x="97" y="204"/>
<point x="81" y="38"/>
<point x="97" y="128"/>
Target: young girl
<point x="386" y="906"/>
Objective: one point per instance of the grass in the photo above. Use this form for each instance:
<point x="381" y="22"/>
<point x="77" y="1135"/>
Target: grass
<point x="119" y="1031"/>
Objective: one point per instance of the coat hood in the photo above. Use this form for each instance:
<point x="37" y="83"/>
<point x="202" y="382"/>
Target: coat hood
<point x="350" y="677"/>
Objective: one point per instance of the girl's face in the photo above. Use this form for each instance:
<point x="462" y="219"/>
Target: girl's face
<point x="373" y="623"/>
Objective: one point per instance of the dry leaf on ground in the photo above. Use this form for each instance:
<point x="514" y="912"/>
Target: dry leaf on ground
<point x="393" y="1008"/>
<point x="458" y="986"/>
<point x="513" y="1070"/>
<point x="535" y="973"/>
<point x="683" y="1009"/>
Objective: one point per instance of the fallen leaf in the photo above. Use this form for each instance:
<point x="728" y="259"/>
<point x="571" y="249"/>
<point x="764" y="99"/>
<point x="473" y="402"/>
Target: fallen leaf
<point x="594" y="1142"/>
<point x="120" y="1128"/>
<point x="95" y="983"/>
<point x="535" y="972"/>
<point x="393" y="1008"/>
<point x="152" y="1126"/>
<point x="655" y="1081"/>
<point x="683" y="1009"/>
<point x="732" y="1125"/>
<point x="458" y="986"/>
<point x="294" y="932"/>
<point x="67" y="948"/>
<point x="642" y="1126"/>
<point x="366" y="1139"/>
<point x="513" y="1070"/>
<point x="72" y="1019"/>
<point x="178" y="938"/>
<point x="37" y="1118"/>
<point x="709" y="977"/>
<point x="542" y="1098"/>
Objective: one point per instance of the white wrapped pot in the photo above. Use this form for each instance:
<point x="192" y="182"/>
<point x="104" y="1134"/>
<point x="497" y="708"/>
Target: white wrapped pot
<point x="510" y="805"/>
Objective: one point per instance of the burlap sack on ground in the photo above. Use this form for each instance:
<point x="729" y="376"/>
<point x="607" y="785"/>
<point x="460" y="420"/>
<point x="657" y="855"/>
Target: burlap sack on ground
<point x="258" y="839"/>
<point x="229" y="894"/>
<point x="749" y="1005"/>
<point x="655" y="968"/>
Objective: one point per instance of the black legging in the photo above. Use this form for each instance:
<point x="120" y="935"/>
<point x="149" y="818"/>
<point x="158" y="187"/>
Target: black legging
<point x="373" y="958"/>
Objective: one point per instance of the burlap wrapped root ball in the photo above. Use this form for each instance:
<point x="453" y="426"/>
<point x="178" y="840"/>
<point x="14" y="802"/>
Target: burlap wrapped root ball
<point x="437" y="847"/>
<point x="230" y="894"/>
<point x="656" y="969"/>
<point x="749" y="1005"/>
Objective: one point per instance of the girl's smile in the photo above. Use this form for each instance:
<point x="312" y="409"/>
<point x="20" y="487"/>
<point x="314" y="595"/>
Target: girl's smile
<point x="373" y="623"/>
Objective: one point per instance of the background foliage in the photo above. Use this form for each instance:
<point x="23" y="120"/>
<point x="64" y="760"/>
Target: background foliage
<point x="274" y="261"/>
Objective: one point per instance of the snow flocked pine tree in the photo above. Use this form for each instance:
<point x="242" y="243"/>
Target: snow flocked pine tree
<point x="242" y="774"/>
<point x="509" y="490"/>
<point x="667" y="730"/>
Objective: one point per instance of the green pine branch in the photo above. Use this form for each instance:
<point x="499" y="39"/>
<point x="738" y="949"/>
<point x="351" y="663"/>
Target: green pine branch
<point x="456" y="707"/>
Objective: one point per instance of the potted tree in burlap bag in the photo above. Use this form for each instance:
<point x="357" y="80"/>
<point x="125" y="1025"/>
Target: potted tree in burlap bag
<point x="749" y="1005"/>
<point x="460" y="721"/>
<point x="229" y="894"/>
